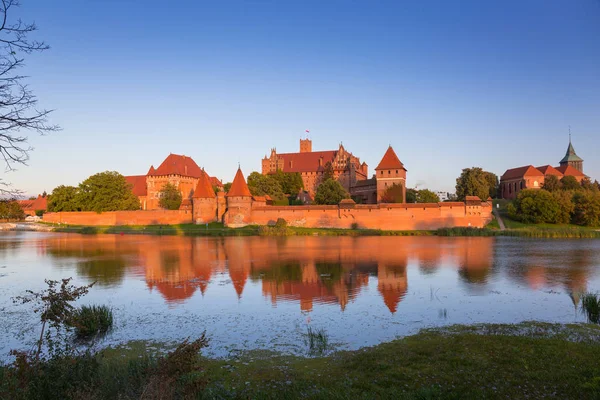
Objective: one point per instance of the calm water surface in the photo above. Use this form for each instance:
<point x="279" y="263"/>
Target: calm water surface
<point x="254" y="292"/>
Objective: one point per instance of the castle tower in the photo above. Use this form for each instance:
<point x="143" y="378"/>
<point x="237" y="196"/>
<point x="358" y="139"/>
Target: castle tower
<point x="305" y="146"/>
<point x="204" y="201"/>
<point x="389" y="172"/>
<point x="571" y="158"/>
<point x="239" y="202"/>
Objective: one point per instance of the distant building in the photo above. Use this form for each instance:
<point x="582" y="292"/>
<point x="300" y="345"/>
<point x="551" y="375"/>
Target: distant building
<point x="179" y="170"/>
<point x="444" y="196"/>
<point x="529" y="177"/>
<point x="347" y="168"/>
<point x="30" y="207"/>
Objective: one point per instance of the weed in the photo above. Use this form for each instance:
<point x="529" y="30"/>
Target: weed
<point x="590" y="306"/>
<point x="317" y="341"/>
<point x="92" y="320"/>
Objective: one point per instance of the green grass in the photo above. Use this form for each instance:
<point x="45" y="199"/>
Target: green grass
<point x="590" y="306"/>
<point x="92" y="320"/>
<point x="317" y="341"/>
<point x="529" y="360"/>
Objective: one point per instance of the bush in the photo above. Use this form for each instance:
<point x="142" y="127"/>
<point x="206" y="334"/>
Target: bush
<point x="586" y="208"/>
<point x="535" y="206"/>
<point x="92" y="320"/>
<point x="354" y="226"/>
<point x="281" y="223"/>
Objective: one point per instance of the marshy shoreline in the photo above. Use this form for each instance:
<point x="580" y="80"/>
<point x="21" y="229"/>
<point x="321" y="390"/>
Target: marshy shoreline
<point x="525" y="360"/>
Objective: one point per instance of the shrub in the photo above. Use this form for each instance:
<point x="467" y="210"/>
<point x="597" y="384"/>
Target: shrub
<point x="281" y="223"/>
<point x="354" y="225"/>
<point x="535" y="206"/>
<point x="586" y="208"/>
<point x="92" y="320"/>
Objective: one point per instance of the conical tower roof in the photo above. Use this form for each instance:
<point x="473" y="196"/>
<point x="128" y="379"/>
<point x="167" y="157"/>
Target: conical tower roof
<point x="239" y="188"/>
<point x="571" y="155"/>
<point x="390" y="161"/>
<point x="204" y="189"/>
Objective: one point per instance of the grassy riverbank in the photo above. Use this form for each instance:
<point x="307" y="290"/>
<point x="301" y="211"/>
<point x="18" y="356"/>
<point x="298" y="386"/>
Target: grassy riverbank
<point x="217" y="229"/>
<point x="529" y="360"/>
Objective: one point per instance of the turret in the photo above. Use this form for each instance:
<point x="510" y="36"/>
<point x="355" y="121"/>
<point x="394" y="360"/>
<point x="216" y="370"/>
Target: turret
<point x="239" y="202"/>
<point x="204" y="201"/>
<point x="389" y="172"/>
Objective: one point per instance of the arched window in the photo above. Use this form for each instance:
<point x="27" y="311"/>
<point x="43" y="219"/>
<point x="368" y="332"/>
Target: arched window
<point x="535" y="184"/>
<point x="521" y="185"/>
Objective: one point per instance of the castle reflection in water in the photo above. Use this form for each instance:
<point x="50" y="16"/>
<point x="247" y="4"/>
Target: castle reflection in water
<point x="306" y="270"/>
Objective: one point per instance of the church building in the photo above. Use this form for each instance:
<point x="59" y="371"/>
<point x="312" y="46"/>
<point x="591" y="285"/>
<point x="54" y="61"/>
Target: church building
<point x="529" y="177"/>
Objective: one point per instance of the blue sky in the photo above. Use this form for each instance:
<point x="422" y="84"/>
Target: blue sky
<point x="449" y="84"/>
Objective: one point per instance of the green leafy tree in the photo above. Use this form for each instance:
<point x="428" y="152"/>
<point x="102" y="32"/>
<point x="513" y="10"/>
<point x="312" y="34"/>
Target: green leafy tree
<point x="63" y="198"/>
<point x="106" y="191"/>
<point x="394" y="194"/>
<point x="328" y="171"/>
<point x="569" y="183"/>
<point x="226" y="187"/>
<point x="330" y="192"/>
<point x="291" y="182"/>
<point x="586" y="184"/>
<point x="535" y="206"/>
<point x="427" y="196"/>
<point x="170" y="197"/>
<point x="551" y="183"/>
<point x="586" y="208"/>
<point x="261" y="185"/>
<point x="565" y="205"/>
<point x="11" y="210"/>
<point x="411" y="195"/>
<point x="493" y="184"/>
<point x="475" y="182"/>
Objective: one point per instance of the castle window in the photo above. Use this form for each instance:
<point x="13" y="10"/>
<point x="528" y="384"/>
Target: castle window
<point x="389" y="172"/>
<point x="381" y="172"/>
<point x="396" y="171"/>
<point x="521" y="185"/>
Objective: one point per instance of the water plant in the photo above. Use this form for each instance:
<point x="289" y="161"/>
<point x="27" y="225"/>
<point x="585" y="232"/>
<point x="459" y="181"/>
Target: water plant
<point x="317" y="340"/>
<point x="92" y="320"/>
<point x="590" y="306"/>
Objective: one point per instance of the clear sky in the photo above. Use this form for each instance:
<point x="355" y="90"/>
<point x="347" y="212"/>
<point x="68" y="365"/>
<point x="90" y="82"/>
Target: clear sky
<point x="449" y="84"/>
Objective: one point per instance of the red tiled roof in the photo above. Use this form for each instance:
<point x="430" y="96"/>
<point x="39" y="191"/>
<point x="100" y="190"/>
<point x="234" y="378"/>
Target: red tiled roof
<point x="521" y="172"/>
<point x="306" y="162"/>
<point x="472" y="198"/>
<point x="238" y="186"/>
<point x="40" y="203"/>
<point x="204" y="189"/>
<point x="567" y="170"/>
<point x="216" y="182"/>
<point x="151" y="171"/>
<point x="549" y="170"/>
<point x="138" y="184"/>
<point x="390" y="161"/>
<point x="176" y="164"/>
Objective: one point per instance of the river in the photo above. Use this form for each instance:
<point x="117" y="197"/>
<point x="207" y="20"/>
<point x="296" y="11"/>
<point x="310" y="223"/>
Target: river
<point x="263" y="293"/>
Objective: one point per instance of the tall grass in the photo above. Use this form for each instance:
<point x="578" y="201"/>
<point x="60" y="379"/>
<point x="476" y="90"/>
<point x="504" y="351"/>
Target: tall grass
<point x="590" y="306"/>
<point x="317" y="341"/>
<point x="92" y="320"/>
<point x="546" y="233"/>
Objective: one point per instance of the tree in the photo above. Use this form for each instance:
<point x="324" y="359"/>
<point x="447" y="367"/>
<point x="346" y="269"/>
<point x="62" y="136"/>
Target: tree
<point x="411" y="195"/>
<point x="586" y="184"/>
<point x="586" y="210"/>
<point x="569" y="183"/>
<point x="474" y="182"/>
<point x="535" y="206"/>
<point x="262" y="185"/>
<point x="18" y="105"/>
<point x="427" y="196"/>
<point x="170" y="197"/>
<point x="291" y="182"/>
<point x="565" y="206"/>
<point x="330" y="192"/>
<point x="493" y="184"/>
<point x="106" y="191"/>
<point x="551" y="183"/>
<point x="393" y="194"/>
<point x="10" y="209"/>
<point x="226" y="187"/>
<point x="328" y="171"/>
<point x="63" y="198"/>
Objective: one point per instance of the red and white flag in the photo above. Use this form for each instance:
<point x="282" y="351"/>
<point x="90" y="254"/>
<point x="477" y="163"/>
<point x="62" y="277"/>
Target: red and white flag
<point x="307" y="131"/>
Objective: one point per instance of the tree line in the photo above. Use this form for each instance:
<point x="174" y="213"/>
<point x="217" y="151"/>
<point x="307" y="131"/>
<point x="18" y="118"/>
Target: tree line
<point x="104" y="191"/>
<point x="559" y="202"/>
